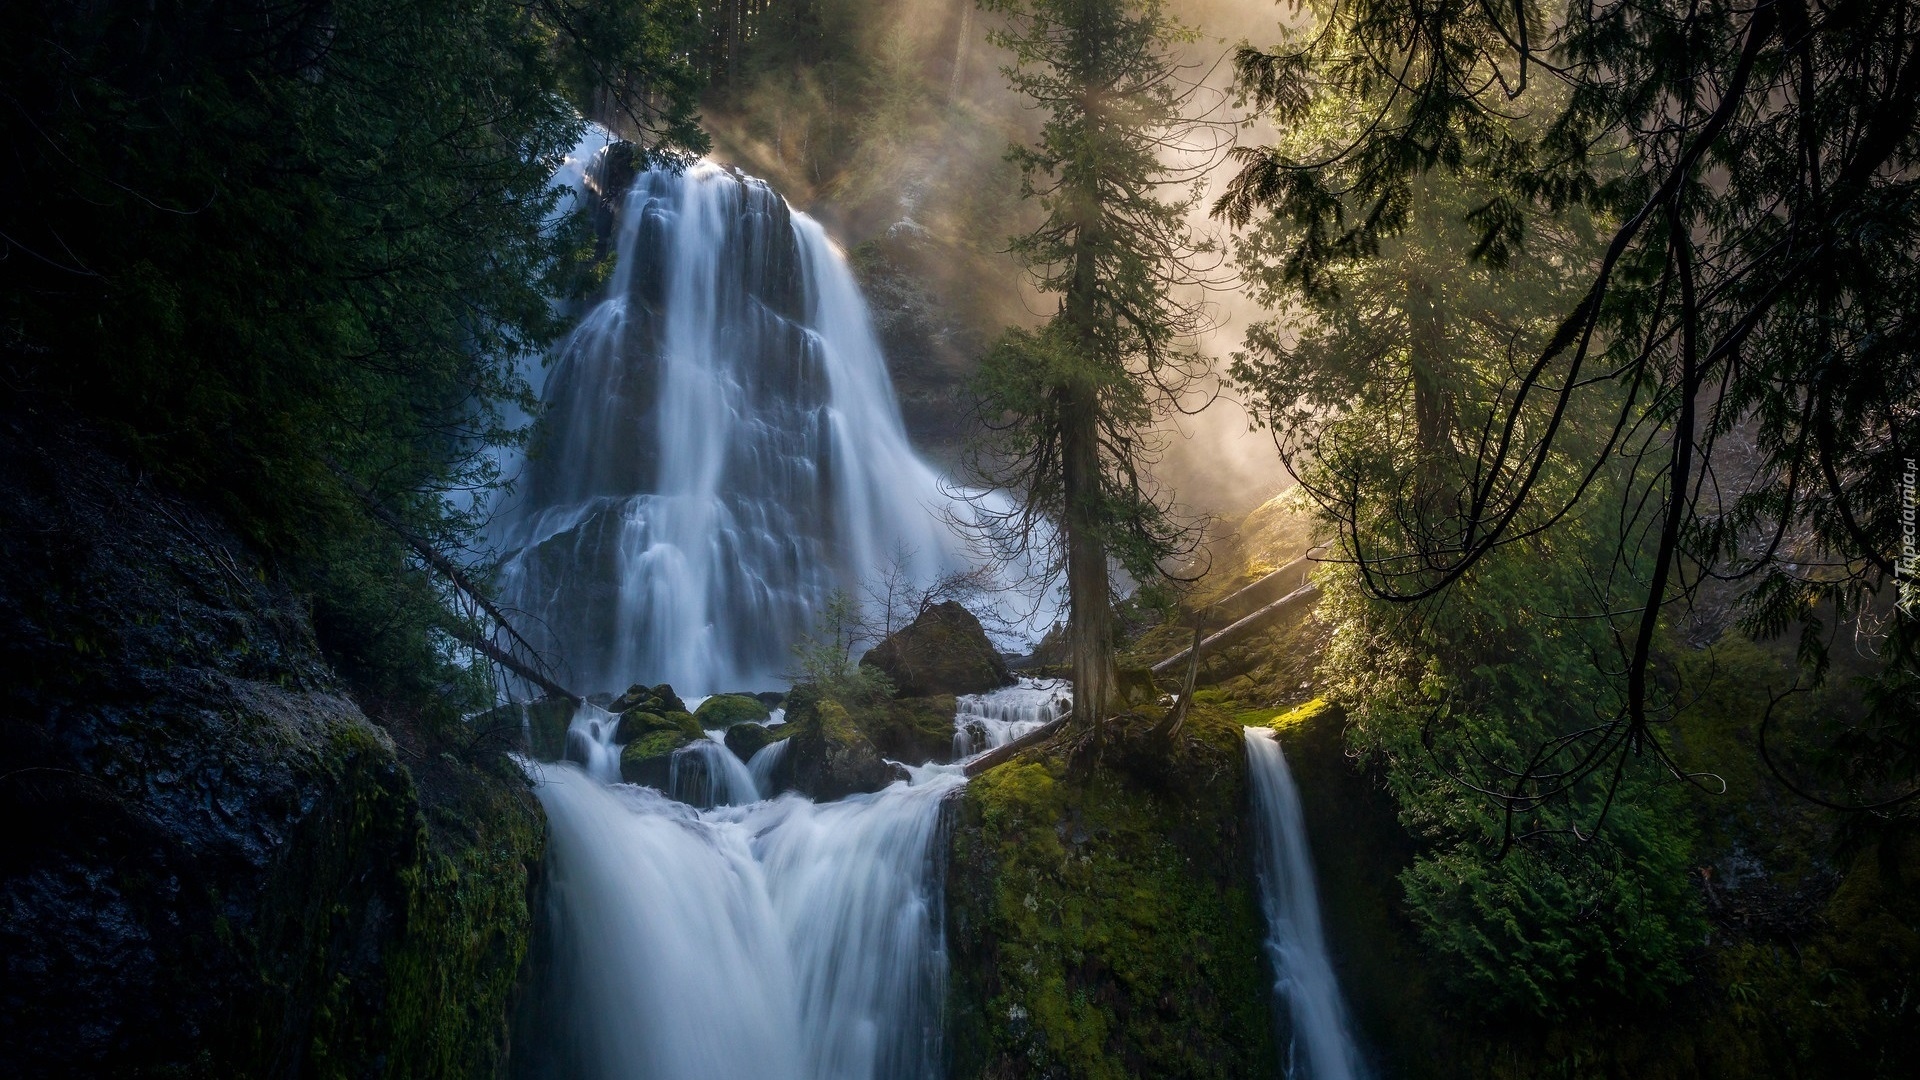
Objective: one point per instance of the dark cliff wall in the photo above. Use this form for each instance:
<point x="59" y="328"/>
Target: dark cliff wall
<point x="215" y="863"/>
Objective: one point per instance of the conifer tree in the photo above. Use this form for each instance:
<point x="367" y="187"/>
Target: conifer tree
<point x="1071" y="403"/>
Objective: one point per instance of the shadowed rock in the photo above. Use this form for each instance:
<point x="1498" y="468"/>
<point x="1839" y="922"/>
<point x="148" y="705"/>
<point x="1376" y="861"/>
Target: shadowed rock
<point x="944" y="651"/>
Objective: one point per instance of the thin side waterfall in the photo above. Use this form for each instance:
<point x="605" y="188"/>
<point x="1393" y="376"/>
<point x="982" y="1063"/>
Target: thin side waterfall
<point x="1323" y="1046"/>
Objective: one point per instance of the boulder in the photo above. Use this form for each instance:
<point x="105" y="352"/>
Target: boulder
<point x="649" y="740"/>
<point x="912" y="731"/>
<point x="828" y="756"/>
<point x="659" y="700"/>
<point x="746" y="740"/>
<point x="944" y="651"/>
<point x="726" y="710"/>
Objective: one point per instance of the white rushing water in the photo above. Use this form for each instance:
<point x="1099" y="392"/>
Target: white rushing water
<point x="1323" y="1046"/>
<point x="985" y="721"/>
<point x="778" y="940"/>
<point x="721" y="449"/>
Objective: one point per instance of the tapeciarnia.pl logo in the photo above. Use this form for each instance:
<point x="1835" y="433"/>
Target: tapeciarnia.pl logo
<point x="1906" y="568"/>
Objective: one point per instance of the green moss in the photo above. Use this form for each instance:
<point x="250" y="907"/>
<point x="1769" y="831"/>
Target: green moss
<point x="397" y="922"/>
<point x="1317" y="711"/>
<point x="638" y="725"/>
<point x="833" y="720"/>
<point x="653" y="744"/>
<point x="1105" y="925"/>
<point x="745" y="740"/>
<point x="726" y="710"/>
<point x="910" y="730"/>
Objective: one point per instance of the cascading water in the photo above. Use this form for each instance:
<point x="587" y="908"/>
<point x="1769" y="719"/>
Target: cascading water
<point x="1323" y="1047"/>
<point x="777" y="940"/>
<point x="720" y="450"/>
<point x="984" y="721"/>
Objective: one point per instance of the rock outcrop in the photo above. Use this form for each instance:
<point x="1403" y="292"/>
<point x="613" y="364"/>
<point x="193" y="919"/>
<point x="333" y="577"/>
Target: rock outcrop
<point x="829" y="756"/>
<point x="943" y="651"/>
<point x="220" y="866"/>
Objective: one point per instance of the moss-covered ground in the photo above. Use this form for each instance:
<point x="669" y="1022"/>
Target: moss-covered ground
<point x="1103" y="920"/>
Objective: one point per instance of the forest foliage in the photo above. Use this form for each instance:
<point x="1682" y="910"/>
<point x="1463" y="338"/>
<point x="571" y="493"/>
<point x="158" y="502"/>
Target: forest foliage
<point x="293" y="252"/>
<point x="1593" y="339"/>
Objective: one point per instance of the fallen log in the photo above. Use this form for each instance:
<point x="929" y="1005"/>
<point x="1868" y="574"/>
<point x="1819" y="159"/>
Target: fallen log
<point x="1284" y="580"/>
<point x="1006" y="750"/>
<point x="460" y="581"/>
<point x="1245" y="626"/>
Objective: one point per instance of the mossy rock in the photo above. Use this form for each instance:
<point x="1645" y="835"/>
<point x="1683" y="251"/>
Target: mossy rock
<point x="1137" y="688"/>
<point x="944" y="651"/>
<point x="659" y="700"/>
<point x="829" y="756"/>
<point x="912" y="731"/>
<point x="1106" y="927"/>
<point x="637" y="724"/>
<point x="649" y="741"/>
<point x="726" y="710"/>
<point x="746" y="740"/>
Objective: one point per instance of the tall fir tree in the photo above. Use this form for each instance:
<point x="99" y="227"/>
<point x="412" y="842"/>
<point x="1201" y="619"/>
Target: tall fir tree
<point x="1071" y="404"/>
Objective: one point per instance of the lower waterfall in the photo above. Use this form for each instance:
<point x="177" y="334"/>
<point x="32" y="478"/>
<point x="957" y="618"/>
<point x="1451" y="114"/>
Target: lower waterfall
<point x="1323" y="1046"/>
<point x="781" y="939"/>
<point x="758" y="939"/>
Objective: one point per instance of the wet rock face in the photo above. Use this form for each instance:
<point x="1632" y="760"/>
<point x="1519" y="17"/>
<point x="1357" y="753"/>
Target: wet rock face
<point x="218" y="866"/>
<point x="944" y="651"/>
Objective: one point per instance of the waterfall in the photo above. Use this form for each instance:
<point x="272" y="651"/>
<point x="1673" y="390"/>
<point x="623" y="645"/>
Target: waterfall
<point x="781" y="940"/>
<point x="707" y="774"/>
<point x="995" y="718"/>
<point x="720" y="450"/>
<point x="1323" y="1047"/>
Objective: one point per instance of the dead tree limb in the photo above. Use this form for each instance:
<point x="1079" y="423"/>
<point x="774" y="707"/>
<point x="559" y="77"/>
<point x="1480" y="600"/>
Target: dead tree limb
<point x="440" y="562"/>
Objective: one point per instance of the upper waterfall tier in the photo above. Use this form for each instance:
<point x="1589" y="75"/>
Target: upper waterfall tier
<point x="719" y="450"/>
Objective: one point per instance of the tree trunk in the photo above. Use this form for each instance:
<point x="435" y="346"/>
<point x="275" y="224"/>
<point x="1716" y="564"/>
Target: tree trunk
<point x="1090" y="613"/>
<point x="1089" y="590"/>
<point x="1426" y="345"/>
